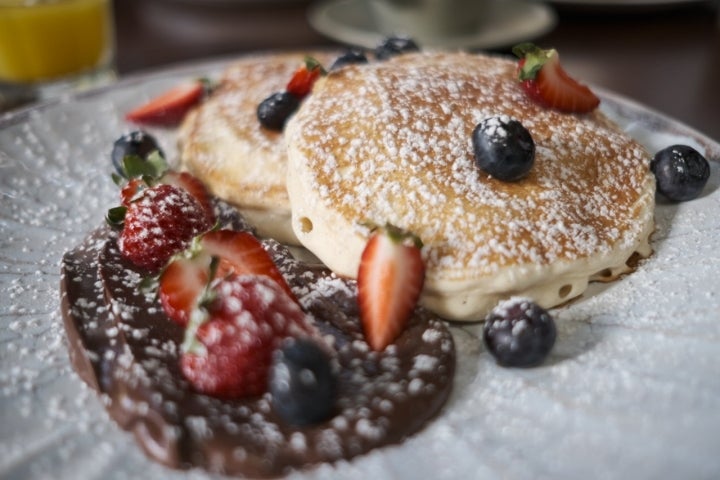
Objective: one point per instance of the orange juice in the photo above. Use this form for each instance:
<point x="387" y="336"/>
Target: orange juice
<point x="44" y="40"/>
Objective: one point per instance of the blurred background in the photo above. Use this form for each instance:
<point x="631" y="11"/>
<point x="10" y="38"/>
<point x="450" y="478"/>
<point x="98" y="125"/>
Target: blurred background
<point x="665" y="54"/>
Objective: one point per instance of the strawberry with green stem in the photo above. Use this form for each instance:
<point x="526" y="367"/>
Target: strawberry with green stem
<point x="161" y="211"/>
<point x="233" y="253"/>
<point x="304" y="78"/>
<point x="547" y="83"/>
<point x="390" y="279"/>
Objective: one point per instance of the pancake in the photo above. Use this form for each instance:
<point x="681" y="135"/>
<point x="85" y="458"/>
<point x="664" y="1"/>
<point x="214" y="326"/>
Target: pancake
<point x="222" y="143"/>
<point x="391" y="142"/>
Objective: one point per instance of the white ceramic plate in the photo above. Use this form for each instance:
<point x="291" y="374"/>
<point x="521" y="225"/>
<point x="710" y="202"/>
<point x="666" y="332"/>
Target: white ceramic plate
<point x="631" y="390"/>
<point x="512" y="21"/>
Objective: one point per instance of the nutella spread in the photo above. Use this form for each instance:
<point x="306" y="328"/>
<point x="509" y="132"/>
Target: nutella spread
<point x="125" y="347"/>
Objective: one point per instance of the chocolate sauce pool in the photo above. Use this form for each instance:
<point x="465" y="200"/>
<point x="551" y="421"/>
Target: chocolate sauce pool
<point x="122" y="344"/>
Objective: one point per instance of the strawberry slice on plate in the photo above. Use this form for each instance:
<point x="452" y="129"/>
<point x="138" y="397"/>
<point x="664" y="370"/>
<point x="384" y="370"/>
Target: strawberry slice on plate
<point x="170" y="107"/>
<point x="304" y="78"/>
<point x="390" y="279"/>
<point x="546" y="82"/>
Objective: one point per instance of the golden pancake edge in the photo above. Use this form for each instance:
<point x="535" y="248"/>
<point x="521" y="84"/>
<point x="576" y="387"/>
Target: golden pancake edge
<point x="222" y="143"/>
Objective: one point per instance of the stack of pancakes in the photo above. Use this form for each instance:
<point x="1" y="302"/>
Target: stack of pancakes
<point x="224" y="145"/>
<point x="390" y="142"/>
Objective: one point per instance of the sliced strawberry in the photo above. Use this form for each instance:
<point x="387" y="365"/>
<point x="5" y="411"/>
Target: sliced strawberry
<point x="390" y="279"/>
<point x="228" y="353"/>
<point x="181" y="285"/>
<point x="547" y="83"/>
<point x="193" y="186"/>
<point x="160" y="224"/>
<point x="168" y="108"/>
<point x="130" y="191"/>
<point x="304" y="78"/>
<point x="243" y="254"/>
<point x="237" y="253"/>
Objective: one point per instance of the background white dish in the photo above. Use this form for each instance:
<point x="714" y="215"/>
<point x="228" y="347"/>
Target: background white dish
<point x="512" y="21"/>
<point x="623" y="3"/>
<point x="631" y="389"/>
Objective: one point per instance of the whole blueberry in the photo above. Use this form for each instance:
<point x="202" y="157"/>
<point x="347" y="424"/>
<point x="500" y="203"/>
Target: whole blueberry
<point x="503" y="148"/>
<point x="681" y="172"/>
<point x="138" y="143"/>
<point x="349" y="57"/>
<point x="395" y="45"/>
<point x="303" y="383"/>
<point x="519" y="333"/>
<point x="274" y="111"/>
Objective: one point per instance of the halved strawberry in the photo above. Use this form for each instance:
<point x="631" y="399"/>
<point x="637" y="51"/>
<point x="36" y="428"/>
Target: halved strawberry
<point x="185" y="278"/>
<point x="547" y="83"/>
<point x="241" y="253"/>
<point x="304" y="78"/>
<point x="390" y="279"/>
<point x="181" y="285"/>
<point x="169" y="108"/>
<point x="193" y="186"/>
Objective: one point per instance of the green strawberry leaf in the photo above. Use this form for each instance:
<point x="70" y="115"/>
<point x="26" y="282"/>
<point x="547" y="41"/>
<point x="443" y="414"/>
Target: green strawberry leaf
<point x="153" y="166"/>
<point x="116" y="216"/>
<point x="535" y="57"/>
<point x="312" y="63"/>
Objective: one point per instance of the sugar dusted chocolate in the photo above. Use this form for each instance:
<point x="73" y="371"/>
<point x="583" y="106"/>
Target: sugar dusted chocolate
<point x="123" y="345"/>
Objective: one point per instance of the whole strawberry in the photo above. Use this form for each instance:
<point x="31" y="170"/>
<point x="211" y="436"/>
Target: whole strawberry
<point x="230" y="340"/>
<point x="159" y="224"/>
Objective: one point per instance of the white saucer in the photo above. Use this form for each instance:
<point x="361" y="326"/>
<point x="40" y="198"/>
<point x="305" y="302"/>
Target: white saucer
<point x="625" y="3"/>
<point x="513" y="21"/>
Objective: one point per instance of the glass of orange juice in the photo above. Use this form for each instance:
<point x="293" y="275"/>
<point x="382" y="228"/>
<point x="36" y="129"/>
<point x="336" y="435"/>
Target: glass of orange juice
<point x="47" y="46"/>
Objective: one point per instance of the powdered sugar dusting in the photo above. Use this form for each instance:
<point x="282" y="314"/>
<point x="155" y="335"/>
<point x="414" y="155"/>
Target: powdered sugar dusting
<point x="401" y="152"/>
<point x="225" y="146"/>
<point x="634" y="368"/>
<point x="383" y="396"/>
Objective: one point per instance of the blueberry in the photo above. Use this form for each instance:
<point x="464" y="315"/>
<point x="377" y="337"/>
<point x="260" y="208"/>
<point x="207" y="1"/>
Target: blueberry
<point x="393" y="46"/>
<point x="349" y="57"/>
<point x="519" y="333"/>
<point x="503" y="148"/>
<point x="303" y="383"/>
<point x="681" y="172"/>
<point x="138" y="143"/>
<point x="274" y="111"/>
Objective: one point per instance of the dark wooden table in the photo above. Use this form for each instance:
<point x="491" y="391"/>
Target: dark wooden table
<point x="665" y="58"/>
